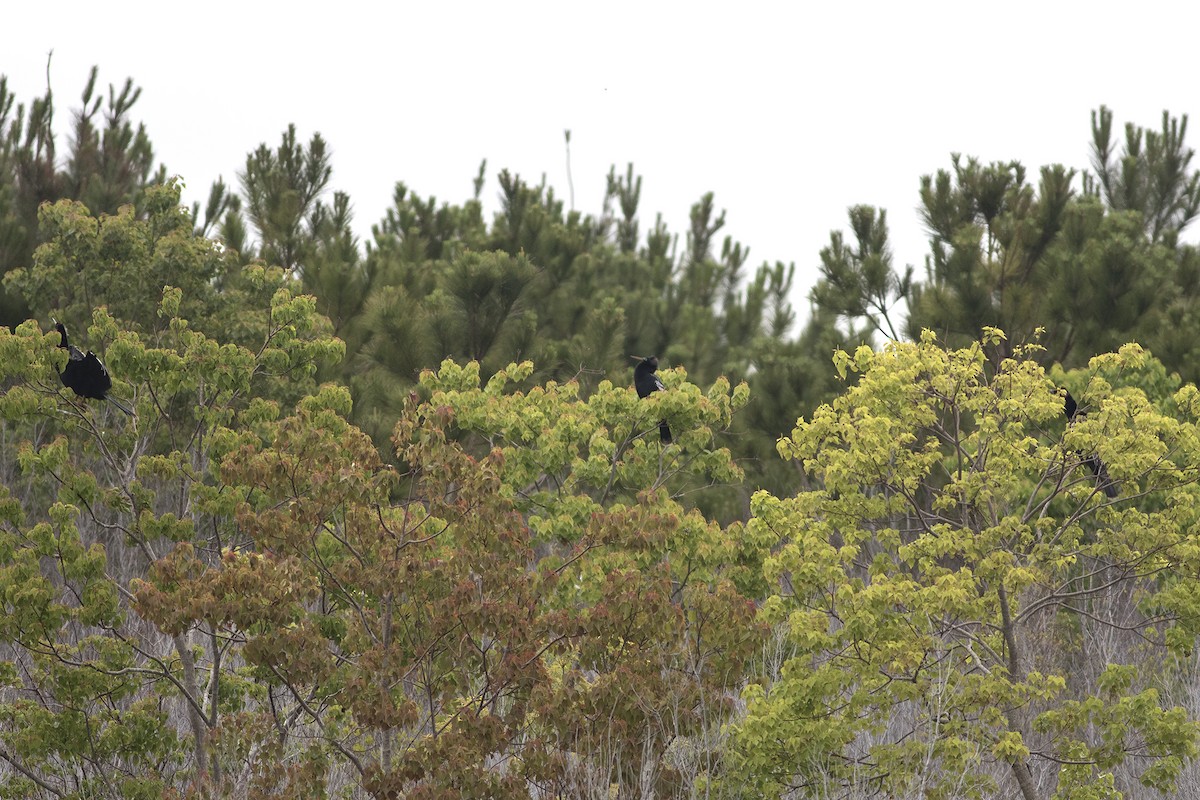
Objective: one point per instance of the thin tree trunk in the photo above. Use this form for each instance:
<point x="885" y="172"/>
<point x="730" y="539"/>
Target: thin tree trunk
<point x="1020" y="767"/>
<point x="199" y="729"/>
<point x="385" y="755"/>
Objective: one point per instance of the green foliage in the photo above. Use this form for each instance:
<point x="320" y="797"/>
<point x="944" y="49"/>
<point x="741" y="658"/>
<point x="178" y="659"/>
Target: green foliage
<point x="121" y="262"/>
<point x="109" y="165"/>
<point x="950" y="528"/>
<point x="857" y="280"/>
<point x="215" y="593"/>
<point x="1082" y="273"/>
<point x="1150" y="177"/>
<point x="93" y="503"/>
<point x="991" y="231"/>
<point x="282" y="188"/>
<point x="445" y="554"/>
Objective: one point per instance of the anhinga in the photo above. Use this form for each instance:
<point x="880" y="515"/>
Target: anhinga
<point x="1093" y="462"/>
<point x="85" y="374"/>
<point x="647" y="383"/>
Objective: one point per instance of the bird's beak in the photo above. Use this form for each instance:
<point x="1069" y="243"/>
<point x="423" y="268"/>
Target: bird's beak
<point x="637" y="358"/>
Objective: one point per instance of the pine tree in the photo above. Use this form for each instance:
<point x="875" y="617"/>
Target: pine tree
<point x="1150" y="175"/>
<point x="109" y="164"/>
<point x="282" y="188"/>
<point x="1081" y="273"/>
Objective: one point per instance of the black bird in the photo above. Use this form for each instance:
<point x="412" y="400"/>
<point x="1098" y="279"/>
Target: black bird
<point x="647" y="383"/>
<point x="85" y="374"/>
<point x="1093" y="462"/>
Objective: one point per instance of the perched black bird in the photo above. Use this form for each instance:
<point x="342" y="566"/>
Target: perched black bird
<point x="1093" y="462"/>
<point x="647" y="383"/>
<point x="85" y="374"/>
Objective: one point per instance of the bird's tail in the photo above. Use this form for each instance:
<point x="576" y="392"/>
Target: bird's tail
<point x="1103" y="481"/>
<point x="119" y="404"/>
<point x="664" y="432"/>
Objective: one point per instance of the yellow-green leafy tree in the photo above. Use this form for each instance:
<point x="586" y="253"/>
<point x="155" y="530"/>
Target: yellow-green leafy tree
<point x="940" y="588"/>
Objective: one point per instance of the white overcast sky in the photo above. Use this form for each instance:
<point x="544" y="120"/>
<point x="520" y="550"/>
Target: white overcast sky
<point x="788" y="112"/>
